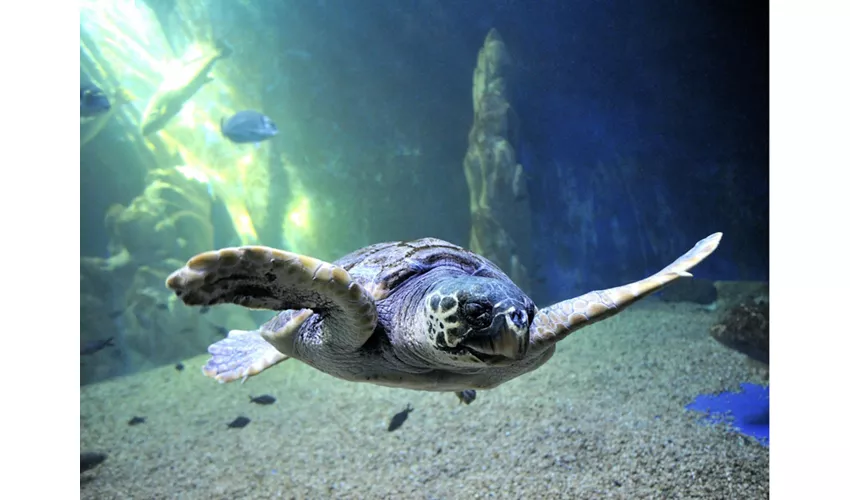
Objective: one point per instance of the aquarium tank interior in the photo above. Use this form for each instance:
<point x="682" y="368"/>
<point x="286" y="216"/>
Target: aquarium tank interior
<point x="342" y="249"/>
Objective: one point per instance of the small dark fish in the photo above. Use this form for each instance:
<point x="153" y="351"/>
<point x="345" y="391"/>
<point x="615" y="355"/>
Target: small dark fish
<point x="89" y="460"/>
<point x="136" y="421"/>
<point x="116" y="314"/>
<point x="265" y="399"/>
<point x="179" y="367"/>
<point x="248" y="126"/>
<point x="162" y="307"/>
<point x="239" y="423"/>
<point x="399" y="418"/>
<point x="205" y="309"/>
<point x="93" y="101"/>
<point x="187" y="329"/>
<point x="92" y="346"/>
<point x="221" y="330"/>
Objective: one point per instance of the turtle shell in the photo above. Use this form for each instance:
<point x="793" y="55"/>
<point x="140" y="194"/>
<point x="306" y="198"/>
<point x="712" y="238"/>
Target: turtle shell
<point x="382" y="267"/>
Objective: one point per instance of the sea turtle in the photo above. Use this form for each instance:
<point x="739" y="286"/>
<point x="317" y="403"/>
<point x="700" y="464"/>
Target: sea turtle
<point x="423" y="314"/>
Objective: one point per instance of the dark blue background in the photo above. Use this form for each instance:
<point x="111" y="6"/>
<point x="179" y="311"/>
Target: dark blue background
<point x="644" y="124"/>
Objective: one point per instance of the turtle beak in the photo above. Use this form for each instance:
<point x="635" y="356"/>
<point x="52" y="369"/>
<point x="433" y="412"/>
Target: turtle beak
<point x="507" y="335"/>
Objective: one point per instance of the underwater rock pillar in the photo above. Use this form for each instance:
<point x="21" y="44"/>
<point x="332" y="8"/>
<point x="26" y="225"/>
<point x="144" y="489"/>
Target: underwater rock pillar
<point x="124" y="296"/>
<point x="498" y="195"/>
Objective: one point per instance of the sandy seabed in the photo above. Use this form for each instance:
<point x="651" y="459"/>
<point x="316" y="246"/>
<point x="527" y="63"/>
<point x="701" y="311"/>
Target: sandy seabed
<point x="604" y="418"/>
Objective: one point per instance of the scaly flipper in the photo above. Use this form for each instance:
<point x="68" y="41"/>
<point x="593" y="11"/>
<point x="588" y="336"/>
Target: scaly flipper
<point x="265" y="278"/>
<point x="555" y="322"/>
<point x="246" y="353"/>
<point x="241" y="355"/>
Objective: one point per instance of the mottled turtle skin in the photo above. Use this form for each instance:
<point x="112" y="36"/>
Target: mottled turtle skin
<point x="423" y="314"/>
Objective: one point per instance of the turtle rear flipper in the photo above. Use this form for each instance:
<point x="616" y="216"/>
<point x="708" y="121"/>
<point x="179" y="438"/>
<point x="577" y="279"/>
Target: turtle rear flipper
<point x="246" y="353"/>
<point x="241" y="355"/>
<point x="466" y="397"/>
<point x="555" y="322"/>
<point x="265" y="278"/>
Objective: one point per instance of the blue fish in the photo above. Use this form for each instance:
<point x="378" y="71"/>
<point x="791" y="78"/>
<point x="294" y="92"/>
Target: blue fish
<point x="248" y="126"/>
<point x="93" y="101"/>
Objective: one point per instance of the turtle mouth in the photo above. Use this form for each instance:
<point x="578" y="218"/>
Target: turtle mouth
<point x="505" y="340"/>
<point x="488" y="359"/>
<point x="491" y="359"/>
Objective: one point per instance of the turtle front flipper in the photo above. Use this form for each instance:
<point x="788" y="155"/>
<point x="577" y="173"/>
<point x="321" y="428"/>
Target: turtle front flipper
<point x="555" y="322"/>
<point x="266" y="278"/>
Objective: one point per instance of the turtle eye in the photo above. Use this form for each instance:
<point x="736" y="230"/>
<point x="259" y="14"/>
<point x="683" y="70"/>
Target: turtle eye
<point x="517" y="317"/>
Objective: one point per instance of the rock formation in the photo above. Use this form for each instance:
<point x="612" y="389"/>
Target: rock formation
<point x="501" y="214"/>
<point x="745" y="327"/>
<point x="123" y="296"/>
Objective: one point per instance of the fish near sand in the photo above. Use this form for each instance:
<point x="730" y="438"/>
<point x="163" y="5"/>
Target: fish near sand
<point x="170" y="97"/>
<point x="265" y="399"/>
<point x="248" y="127"/>
<point x="399" y="418"/>
<point x="92" y="346"/>
<point x="239" y="422"/>
<point x="89" y="460"/>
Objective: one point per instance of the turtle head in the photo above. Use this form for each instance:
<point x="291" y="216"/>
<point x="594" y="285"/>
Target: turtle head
<point x="474" y="319"/>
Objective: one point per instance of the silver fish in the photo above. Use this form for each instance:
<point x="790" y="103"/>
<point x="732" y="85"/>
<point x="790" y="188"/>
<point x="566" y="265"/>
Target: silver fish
<point x="93" y="101"/>
<point x="248" y="126"/>
<point x="94" y="126"/>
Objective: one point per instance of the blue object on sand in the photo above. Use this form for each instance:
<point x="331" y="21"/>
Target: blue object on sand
<point x="747" y="411"/>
